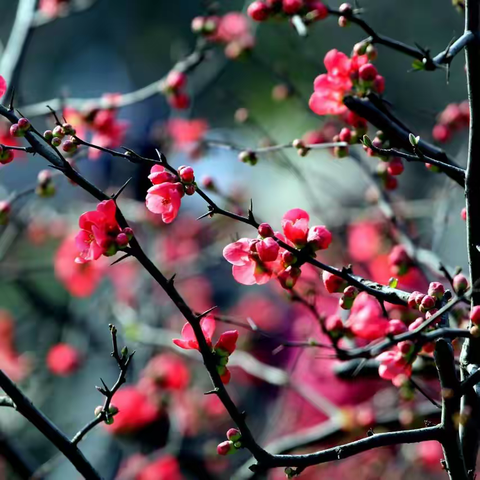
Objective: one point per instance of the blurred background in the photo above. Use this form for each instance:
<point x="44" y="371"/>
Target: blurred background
<point x="259" y="98"/>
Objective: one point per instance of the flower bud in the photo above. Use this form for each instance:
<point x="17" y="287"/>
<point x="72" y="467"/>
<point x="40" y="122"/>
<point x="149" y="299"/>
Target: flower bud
<point x="265" y="230"/>
<point x="45" y="186"/>
<point x="288" y="277"/>
<point x="208" y="183"/>
<point x="395" y="166"/>
<point x="428" y="303"/>
<point x="225" y="448"/>
<point x="23" y="124"/>
<point x="333" y="283"/>
<point x="122" y="240"/>
<point x="186" y="174"/>
<point x="475" y="315"/>
<point x="412" y="300"/>
<point x="367" y="72"/>
<point x="6" y="156"/>
<point x="190" y="189"/>
<point x="258" y="11"/>
<point x="16" y="131"/>
<point x="396" y="327"/>
<point x="405" y="347"/>
<point x="48" y="135"/>
<point x="436" y="290"/>
<point x="248" y="157"/>
<point x="268" y="250"/>
<point x="291" y="7"/>
<point x="58" y="132"/>
<point x="234" y="435"/>
<point x="319" y="237"/>
<point x="460" y="284"/>
<point x="334" y="324"/>
<point x="345" y="135"/>
<point x="227" y="343"/>
<point x="56" y="142"/>
<point x="180" y="101"/>
<point x="69" y="146"/>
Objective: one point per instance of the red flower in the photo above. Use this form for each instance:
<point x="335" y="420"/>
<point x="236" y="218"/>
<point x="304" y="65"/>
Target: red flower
<point x="247" y="265"/>
<point x="295" y="226"/>
<point x="63" y="359"/>
<point x="394" y="367"/>
<point x="165" y="371"/>
<point x="135" y="411"/>
<point x="164" y="468"/>
<point x="366" y="318"/>
<point x="186" y="133"/>
<point x="227" y="342"/>
<point x="3" y="86"/>
<point x="329" y="88"/>
<point x="189" y="341"/>
<point x="80" y="279"/>
<point x="100" y="233"/>
<point x="165" y="196"/>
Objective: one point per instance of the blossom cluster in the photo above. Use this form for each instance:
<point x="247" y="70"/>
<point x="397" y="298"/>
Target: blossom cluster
<point x="224" y="347"/>
<point x="231" y="30"/>
<point x="309" y="10"/>
<point x="100" y="233"/>
<point x="256" y="261"/>
<point x="165" y="196"/>
<point x="344" y="75"/>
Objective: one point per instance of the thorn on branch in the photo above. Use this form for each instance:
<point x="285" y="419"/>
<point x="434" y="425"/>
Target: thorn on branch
<point x="121" y="189"/>
<point x="206" y="312"/>
<point x="172" y="279"/>
<point x="212" y="392"/>
<point x="207" y="214"/>
<point x="11" y="108"/>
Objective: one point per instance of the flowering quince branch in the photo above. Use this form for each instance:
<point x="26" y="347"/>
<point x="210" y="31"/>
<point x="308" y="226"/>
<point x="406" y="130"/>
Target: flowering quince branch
<point x="418" y="157"/>
<point x="107" y="412"/>
<point x="397" y="133"/>
<point x="26" y="408"/>
<point x="470" y="356"/>
<point x="202" y="340"/>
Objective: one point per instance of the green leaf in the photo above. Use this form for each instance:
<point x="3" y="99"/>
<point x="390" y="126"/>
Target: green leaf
<point x="393" y="282"/>
<point x="418" y="65"/>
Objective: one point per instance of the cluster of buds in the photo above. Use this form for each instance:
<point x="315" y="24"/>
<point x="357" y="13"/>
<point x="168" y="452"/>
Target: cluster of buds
<point x="334" y="284"/>
<point x="187" y="177"/>
<point x="399" y="261"/>
<point x="426" y="303"/>
<point x="112" y="410"/>
<point x="390" y="167"/>
<point x="206" y="26"/>
<point x="5" y="209"/>
<point x="357" y="128"/>
<point x="173" y="87"/>
<point x="231" y="30"/>
<point x="366" y="48"/>
<point x="6" y="155"/>
<point x="455" y="117"/>
<point x="20" y="128"/>
<point x="45" y="187"/>
<point x="309" y="10"/>
<point x="231" y="445"/>
<point x="248" y="157"/>
<point x="64" y="136"/>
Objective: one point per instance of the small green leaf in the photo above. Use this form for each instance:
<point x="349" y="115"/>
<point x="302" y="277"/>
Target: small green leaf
<point x="418" y="65"/>
<point x="393" y="282"/>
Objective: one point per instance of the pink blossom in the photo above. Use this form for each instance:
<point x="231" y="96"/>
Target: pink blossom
<point x="80" y="279"/>
<point x="227" y="342"/>
<point x="295" y="226"/>
<point x="329" y="88"/>
<point x="394" y="367"/>
<point x="165" y="199"/>
<point x="99" y="232"/>
<point x="189" y="341"/>
<point x="165" y="371"/>
<point x="366" y="318"/>
<point x="186" y="133"/>
<point x="3" y="86"/>
<point x="63" y="359"/>
<point x="163" y="468"/>
<point x="247" y="267"/>
<point x="267" y="249"/>
<point x="319" y="238"/>
<point x="135" y="411"/>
